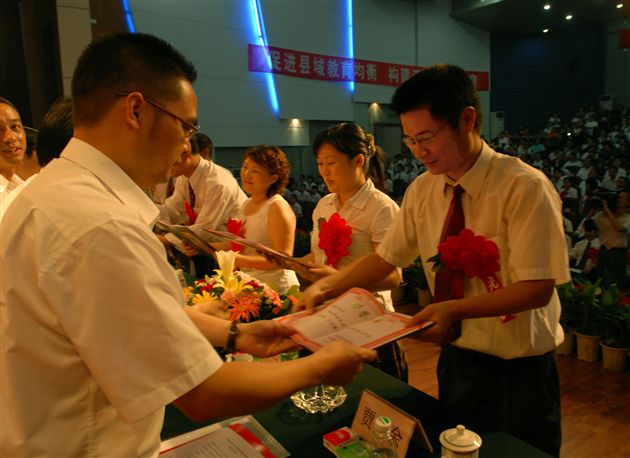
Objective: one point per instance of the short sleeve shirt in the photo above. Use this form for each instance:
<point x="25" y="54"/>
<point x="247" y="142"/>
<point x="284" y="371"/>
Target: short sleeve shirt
<point x="369" y="213"/>
<point x="95" y="341"/>
<point x="517" y="207"/>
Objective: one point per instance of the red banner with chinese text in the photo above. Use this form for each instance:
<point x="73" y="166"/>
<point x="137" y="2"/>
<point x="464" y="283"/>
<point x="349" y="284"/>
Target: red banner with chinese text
<point x="624" y="39"/>
<point x="302" y="64"/>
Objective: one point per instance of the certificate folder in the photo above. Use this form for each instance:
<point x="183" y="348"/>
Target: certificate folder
<point x="355" y="317"/>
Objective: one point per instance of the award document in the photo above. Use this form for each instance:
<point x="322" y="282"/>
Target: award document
<point x="176" y="234"/>
<point x="277" y="257"/>
<point x="240" y="437"/>
<point x="355" y="317"/>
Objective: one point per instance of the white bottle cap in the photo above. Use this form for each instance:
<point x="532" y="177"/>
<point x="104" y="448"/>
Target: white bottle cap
<point x="382" y="424"/>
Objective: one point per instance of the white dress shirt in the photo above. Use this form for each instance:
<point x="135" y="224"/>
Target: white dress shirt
<point x="218" y="197"/>
<point x="94" y="338"/>
<point x="369" y="213"/>
<point x="515" y="206"/>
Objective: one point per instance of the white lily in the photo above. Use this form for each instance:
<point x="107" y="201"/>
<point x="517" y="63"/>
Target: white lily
<point x="225" y="273"/>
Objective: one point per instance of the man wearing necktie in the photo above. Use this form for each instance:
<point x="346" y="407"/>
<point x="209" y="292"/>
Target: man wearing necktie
<point x="206" y="195"/>
<point x="500" y="373"/>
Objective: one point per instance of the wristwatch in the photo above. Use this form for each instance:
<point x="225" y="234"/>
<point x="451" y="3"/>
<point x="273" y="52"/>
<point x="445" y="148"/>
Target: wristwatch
<point x="230" y="346"/>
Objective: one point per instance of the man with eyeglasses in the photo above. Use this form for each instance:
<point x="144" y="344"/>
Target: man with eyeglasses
<point x="497" y="365"/>
<point x="206" y="195"/>
<point x="95" y="336"/>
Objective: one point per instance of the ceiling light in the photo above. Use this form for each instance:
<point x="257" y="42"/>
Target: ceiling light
<point x="619" y="5"/>
<point x="545" y="30"/>
<point x="295" y="123"/>
<point x="568" y="17"/>
<point x="547" y="6"/>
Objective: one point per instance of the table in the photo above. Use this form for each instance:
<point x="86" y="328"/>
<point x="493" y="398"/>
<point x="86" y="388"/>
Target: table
<point x="301" y="433"/>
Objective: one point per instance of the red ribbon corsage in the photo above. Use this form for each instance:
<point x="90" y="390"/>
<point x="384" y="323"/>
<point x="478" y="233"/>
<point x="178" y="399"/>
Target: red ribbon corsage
<point x="473" y="254"/>
<point x="235" y="226"/>
<point x="335" y="237"/>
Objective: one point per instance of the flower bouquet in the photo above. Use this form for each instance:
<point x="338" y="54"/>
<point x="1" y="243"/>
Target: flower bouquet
<point x="240" y="295"/>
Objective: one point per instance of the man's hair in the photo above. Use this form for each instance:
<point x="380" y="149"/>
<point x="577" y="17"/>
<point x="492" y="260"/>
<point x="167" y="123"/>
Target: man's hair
<point x="55" y="132"/>
<point x="3" y="100"/>
<point x="444" y="89"/>
<point x="201" y="141"/>
<point x="31" y="140"/>
<point x="589" y="225"/>
<point x="275" y="161"/>
<point x="125" y="62"/>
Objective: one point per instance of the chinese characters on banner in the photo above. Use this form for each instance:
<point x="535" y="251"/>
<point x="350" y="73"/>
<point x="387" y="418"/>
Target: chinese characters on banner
<point x="332" y="68"/>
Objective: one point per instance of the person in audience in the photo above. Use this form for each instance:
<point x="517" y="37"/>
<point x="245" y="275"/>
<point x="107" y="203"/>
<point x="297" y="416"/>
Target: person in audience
<point x="95" y="336"/>
<point x="352" y="167"/>
<point x="567" y="191"/>
<point x="583" y="255"/>
<point x="266" y="217"/>
<point x="505" y="383"/>
<point x="12" y="147"/>
<point x="315" y="195"/>
<point x="613" y="224"/>
<point x="205" y="196"/>
<point x="295" y="205"/>
<point x="609" y="181"/>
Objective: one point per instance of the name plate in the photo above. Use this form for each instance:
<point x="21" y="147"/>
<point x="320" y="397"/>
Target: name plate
<point x="404" y="426"/>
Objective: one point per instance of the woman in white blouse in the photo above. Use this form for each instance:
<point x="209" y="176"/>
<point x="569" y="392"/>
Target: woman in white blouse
<point x="268" y="218"/>
<point x="352" y="167"/>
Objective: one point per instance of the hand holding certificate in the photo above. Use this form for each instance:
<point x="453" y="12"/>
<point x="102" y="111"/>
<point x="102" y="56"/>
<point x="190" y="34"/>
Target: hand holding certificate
<point x="355" y="317"/>
<point x="281" y="259"/>
<point x="185" y="234"/>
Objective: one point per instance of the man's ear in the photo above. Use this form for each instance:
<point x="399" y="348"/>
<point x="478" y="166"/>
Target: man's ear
<point x="467" y="119"/>
<point x="133" y="105"/>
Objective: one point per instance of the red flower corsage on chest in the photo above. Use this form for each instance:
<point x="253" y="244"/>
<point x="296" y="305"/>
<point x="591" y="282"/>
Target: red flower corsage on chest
<point x="473" y="254"/>
<point x="335" y="238"/>
<point x="236" y="227"/>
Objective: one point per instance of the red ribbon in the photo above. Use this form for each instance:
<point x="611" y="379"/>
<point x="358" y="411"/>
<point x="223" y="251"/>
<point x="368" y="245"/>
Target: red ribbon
<point x="476" y="256"/>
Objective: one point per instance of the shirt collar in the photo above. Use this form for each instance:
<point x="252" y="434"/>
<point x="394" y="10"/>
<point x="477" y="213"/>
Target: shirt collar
<point x="472" y="180"/>
<point x="112" y="176"/>
<point x="198" y="173"/>
<point x="360" y="199"/>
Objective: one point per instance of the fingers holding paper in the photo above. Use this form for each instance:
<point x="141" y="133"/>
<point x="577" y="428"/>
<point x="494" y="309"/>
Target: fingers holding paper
<point x="440" y="313"/>
<point x="265" y="338"/>
<point x="339" y="362"/>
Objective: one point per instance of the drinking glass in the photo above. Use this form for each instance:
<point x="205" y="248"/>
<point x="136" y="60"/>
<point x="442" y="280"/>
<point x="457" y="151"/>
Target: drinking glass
<point x="319" y="398"/>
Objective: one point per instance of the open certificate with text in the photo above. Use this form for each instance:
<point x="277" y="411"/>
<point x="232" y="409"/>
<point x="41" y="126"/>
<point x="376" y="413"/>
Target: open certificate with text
<point x="356" y="317"/>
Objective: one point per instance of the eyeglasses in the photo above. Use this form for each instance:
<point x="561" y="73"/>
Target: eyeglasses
<point x="189" y="129"/>
<point x="424" y="140"/>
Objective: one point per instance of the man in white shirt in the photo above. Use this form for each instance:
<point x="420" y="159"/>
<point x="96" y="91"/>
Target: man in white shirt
<point x="12" y="147"/>
<point x="210" y="190"/>
<point x="499" y="371"/>
<point x="95" y="337"/>
<point x="205" y="196"/>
